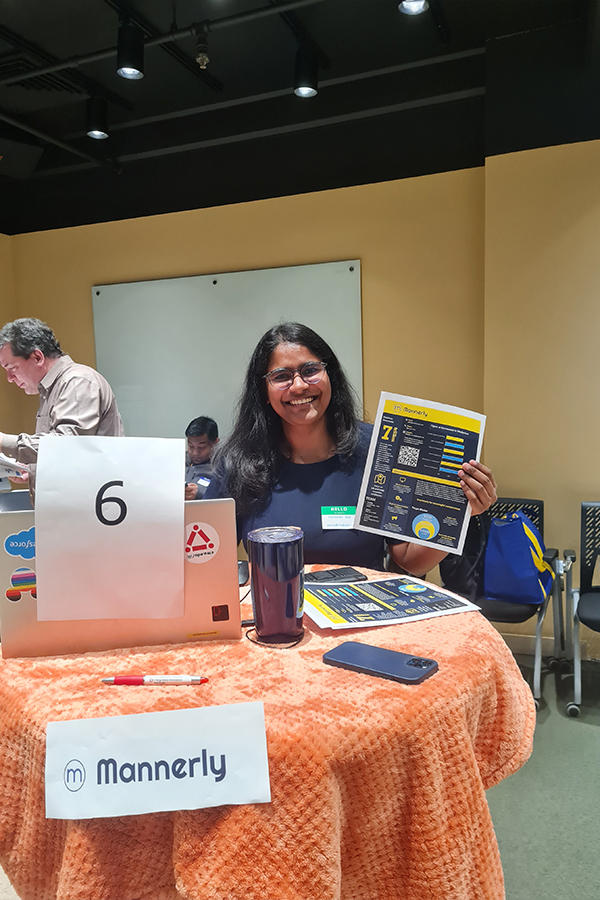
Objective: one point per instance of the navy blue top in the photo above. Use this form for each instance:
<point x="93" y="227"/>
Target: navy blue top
<point x="297" y="499"/>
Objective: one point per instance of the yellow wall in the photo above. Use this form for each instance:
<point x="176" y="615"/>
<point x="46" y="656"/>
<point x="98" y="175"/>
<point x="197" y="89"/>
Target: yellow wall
<point x="542" y="331"/>
<point x="420" y="243"/>
<point x="531" y="219"/>
<point x="11" y="413"/>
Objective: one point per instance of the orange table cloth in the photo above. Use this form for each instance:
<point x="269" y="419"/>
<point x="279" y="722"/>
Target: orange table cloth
<point x="377" y="787"/>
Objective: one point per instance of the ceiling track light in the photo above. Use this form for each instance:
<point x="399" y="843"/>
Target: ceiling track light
<point x="202" y="57"/>
<point x="130" y="52"/>
<point x="306" y="76"/>
<point x="413" y="7"/>
<point x="97" y="118"/>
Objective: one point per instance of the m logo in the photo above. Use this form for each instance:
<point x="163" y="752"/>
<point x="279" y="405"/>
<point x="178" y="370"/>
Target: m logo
<point x="74" y="776"/>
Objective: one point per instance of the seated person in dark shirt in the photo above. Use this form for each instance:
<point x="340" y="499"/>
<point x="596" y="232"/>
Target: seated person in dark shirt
<point x="202" y="435"/>
<point x="298" y="447"/>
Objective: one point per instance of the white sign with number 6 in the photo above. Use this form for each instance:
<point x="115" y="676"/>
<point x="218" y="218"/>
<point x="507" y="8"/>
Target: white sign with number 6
<point x="109" y="523"/>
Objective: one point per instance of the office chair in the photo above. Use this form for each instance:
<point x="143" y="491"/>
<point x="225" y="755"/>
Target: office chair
<point x="583" y="605"/>
<point x="508" y="612"/>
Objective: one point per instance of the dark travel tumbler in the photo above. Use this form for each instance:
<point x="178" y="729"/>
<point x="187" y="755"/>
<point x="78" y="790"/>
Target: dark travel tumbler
<point x="277" y="563"/>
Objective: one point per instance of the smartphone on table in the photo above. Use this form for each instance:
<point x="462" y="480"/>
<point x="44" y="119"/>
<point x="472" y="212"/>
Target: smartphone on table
<point x="343" y="575"/>
<point x="392" y="664"/>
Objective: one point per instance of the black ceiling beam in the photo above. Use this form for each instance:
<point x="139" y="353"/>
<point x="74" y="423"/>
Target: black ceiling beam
<point x="358" y="115"/>
<point x="193" y="29"/>
<point x="371" y="113"/>
<point x="125" y="9"/>
<point x="50" y="139"/>
<point x="88" y="85"/>
<point x="284" y="92"/>
<point x="300" y="32"/>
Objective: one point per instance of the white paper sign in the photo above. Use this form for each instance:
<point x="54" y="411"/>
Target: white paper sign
<point x="109" y="523"/>
<point x="157" y="762"/>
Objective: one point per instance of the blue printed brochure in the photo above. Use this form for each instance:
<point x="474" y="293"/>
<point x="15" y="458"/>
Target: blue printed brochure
<point x="386" y="601"/>
<point x="411" y="488"/>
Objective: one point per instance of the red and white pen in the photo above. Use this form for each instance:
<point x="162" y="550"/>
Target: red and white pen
<point x="156" y="679"/>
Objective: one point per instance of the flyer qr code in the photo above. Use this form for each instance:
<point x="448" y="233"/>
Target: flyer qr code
<point x="408" y="456"/>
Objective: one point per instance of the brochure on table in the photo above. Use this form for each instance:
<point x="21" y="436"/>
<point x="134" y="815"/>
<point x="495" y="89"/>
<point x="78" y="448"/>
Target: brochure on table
<point x="410" y="488"/>
<point x="387" y="601"/>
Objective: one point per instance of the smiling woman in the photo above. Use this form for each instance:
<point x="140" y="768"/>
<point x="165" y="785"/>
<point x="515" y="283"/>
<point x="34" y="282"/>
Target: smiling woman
<point x="298" y="450"/>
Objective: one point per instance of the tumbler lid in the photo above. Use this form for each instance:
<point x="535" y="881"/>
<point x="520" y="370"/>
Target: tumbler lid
<point x="276" y="535"/>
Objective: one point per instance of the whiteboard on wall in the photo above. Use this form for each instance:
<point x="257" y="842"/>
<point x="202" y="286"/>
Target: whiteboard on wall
<point x="178" y="348"/>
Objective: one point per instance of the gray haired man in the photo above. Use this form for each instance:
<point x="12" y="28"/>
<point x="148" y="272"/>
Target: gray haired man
<point x="74" y="399"/>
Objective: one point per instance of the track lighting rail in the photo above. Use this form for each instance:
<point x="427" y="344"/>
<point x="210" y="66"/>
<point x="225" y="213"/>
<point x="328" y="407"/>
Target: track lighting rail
<point x="191" y="30"/>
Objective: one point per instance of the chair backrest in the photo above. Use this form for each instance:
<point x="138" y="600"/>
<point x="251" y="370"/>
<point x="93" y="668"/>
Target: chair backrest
<point x="590" y="544"/>
<point x="533" y="509"/>
<point x="464" y="574"/>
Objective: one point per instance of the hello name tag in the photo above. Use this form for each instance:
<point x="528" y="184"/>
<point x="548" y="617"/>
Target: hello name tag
<point x="333" y="517"/>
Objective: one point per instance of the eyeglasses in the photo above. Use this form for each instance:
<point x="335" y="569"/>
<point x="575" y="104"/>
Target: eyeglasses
<point x="310" y="373"/>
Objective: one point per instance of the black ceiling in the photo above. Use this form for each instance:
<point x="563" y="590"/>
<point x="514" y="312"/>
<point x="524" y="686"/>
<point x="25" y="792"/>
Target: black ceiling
<point x="398" y="96"/>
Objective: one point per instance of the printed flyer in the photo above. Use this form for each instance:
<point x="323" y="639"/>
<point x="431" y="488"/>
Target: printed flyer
<point x="388" y="601"/>
<point x="410" y="488"/>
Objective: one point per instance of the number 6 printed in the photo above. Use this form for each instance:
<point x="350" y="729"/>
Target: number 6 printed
<point x="100" y="501"/>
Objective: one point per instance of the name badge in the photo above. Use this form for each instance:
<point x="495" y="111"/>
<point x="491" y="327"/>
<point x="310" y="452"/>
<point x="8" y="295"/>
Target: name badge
<point x="337" y="517"/>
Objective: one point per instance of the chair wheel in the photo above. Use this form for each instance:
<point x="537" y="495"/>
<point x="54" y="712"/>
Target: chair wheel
<point x="573" y="710"/>
<point x="553" y="664"/>
<point x="565" y="667"/>
<point x="536" y="703"/>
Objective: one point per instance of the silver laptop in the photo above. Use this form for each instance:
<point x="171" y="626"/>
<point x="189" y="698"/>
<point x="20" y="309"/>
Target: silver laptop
<point x="211" y="593"/>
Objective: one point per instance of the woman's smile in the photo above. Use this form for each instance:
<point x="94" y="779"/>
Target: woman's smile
<point x="302" y="401"/>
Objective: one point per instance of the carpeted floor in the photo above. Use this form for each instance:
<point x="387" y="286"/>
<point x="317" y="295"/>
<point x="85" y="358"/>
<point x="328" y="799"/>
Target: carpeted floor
<point x="547" y="815"/>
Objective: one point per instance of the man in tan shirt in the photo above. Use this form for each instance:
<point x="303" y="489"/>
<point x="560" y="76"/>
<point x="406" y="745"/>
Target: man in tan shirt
<point x="74" y="399"/>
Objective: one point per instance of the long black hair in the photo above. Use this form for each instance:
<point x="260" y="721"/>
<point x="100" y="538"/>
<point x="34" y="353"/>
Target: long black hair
<point x="248" y="462"/>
